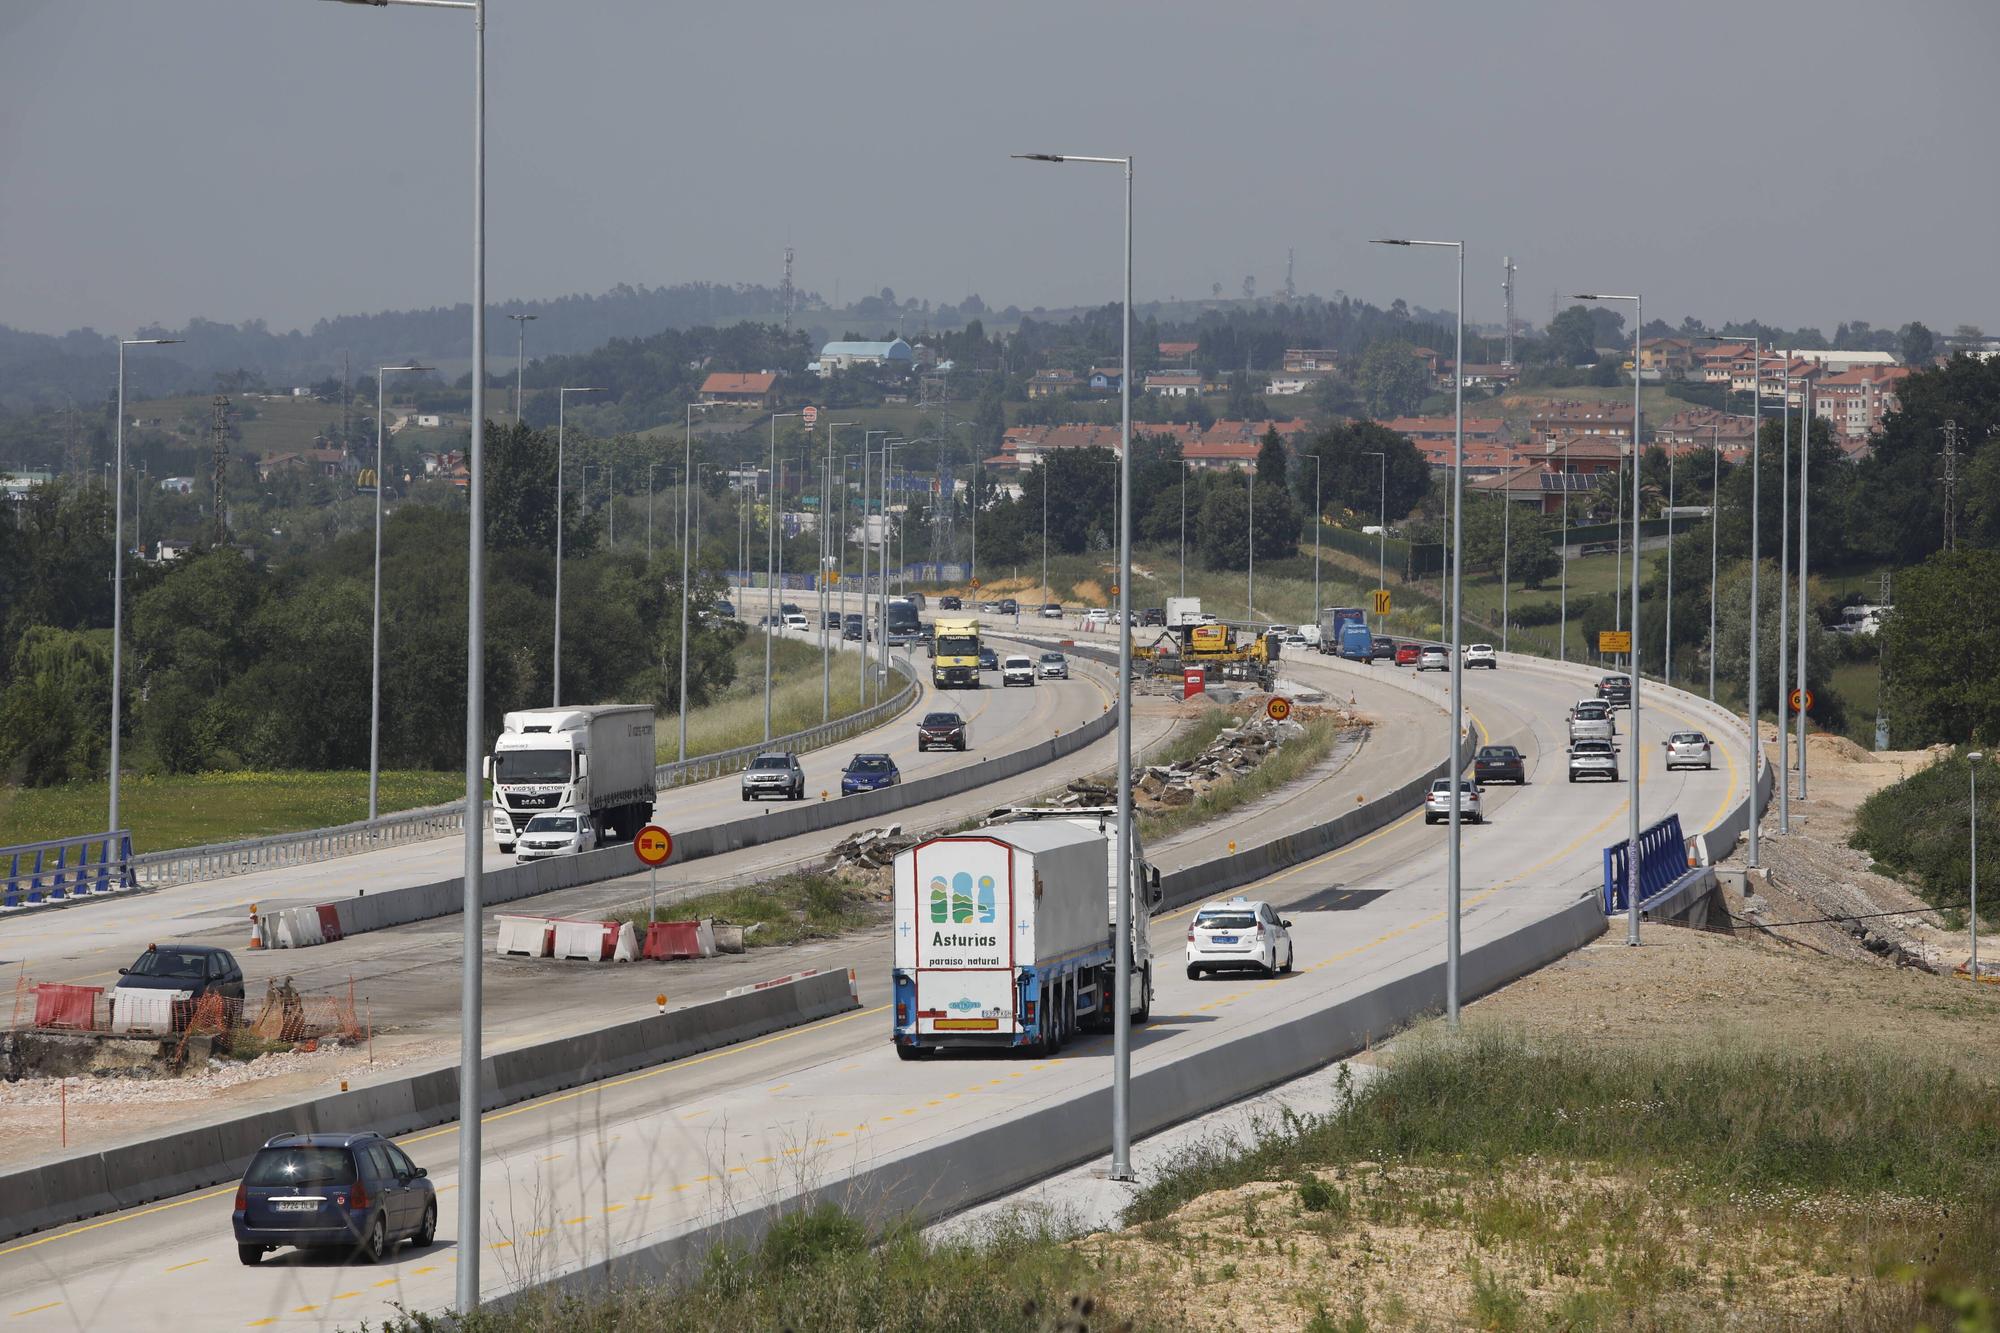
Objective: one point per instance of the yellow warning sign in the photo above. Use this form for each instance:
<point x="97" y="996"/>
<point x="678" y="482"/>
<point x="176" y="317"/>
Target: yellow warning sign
<point x="1381" y="601"/>
<point x="1614" y="641"/>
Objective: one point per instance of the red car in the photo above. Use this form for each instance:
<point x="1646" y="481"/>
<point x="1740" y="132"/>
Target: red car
<point x="1408" y="653"/>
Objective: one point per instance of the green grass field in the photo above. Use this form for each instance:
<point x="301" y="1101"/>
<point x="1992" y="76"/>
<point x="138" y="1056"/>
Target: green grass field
<point x="737" y="718"/>
<point x="192" y="809"/>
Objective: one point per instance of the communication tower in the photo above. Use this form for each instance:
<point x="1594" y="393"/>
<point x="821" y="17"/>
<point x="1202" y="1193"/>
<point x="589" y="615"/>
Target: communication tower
<point x="218" y="461"/>
<point x="1950" y="456"/>
<point x="785" y="294"/>
<point x="1507" y="286"/>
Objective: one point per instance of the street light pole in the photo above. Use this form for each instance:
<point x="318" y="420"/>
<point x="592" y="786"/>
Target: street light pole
<point x="825" y="561"/>
<point x="118" y="574"/>
<point x="1667" y="658"/>
<point x="1381" y="533"/>
<point x="1632" y="806"/>
<point x="375" y="637"/>
<point x="1756" y="514"/>
<point x="1184" y="482"/>
<point x="1972" y="883"/>
<point x="1250" y="537"/>
<point x="555" y="670"/>
<point x="1562" y="628"/>
<point x="691" y="536"/>
<point x="1121" y="1031"/>
<point x="771" y="570"/>
<point x="1318" y="510"/>
<point x="1805" y="511"/>
<point x="861" y="666"/>
<point x="1784" y="603"/>
<point x="1714" y="543"/>
<point x="1456" y="762"/>
<point x="520" y="349"/>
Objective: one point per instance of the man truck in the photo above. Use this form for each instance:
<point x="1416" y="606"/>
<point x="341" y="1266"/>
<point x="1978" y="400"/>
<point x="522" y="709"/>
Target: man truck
<point x="597" y="761"/>
<point x="1344" y="630"/>
<point x="1006" y="938"/>
<point x="955" y="661"/>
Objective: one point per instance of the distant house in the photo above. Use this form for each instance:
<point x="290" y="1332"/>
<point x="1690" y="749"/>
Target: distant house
<point x="1290" y="385"/>
<point x="324" y="462"/>
<point x="434" y="420"/>
<point x="1174" y="383"/>
<point x="1588" y="418"/>
<point x="1181" y="352"/>
<point x="1106" y="379"/>
<point x="895" y="354"/>
<point x="1049" y="383"/>
<point x="1303" y="360"/>
<point x="1667" y="358"/>
<point x="172" y="550"/>
<point x="1443" y="430"/>
<point x="756" y="388"/>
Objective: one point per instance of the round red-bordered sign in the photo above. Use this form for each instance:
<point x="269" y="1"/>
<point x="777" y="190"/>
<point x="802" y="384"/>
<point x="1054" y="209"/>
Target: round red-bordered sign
<point x="1808" y="703"/>
<point x="1278" y="709"/>
<point x="653" y="845"/>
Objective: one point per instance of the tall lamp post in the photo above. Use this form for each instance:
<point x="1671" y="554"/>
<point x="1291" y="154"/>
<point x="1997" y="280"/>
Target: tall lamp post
<point x="1317" y="512"/>
<point x="1972" y="882"/>
<point x="1667" y="657"/>
<point x="472" y="957"/>
<point x="861" y="664"/>
<point x="520" y="331"/>
<point x="691" y="536"/>
<point x="1632" y="663"/>
<point x="1562" y="624"/>
<point x="826" y="635"/>
<point x="555" y="672"/>
<point x="1381" y="532"/>
<point x="1455" y="763"/>
<point x="1756" y="513"/>
<point x="771" y="569"/>
<point x="375" y="637"/>
<point x="1805" y="514"/>
<point x="1714" y="543"/>
<point x="1121" y="1039"/>
<point x="118" y="573"/>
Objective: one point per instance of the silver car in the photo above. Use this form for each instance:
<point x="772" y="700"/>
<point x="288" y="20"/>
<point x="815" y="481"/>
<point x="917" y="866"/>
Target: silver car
<point x="1592" y="759"/>
<point x="774" y="774"/>
<point x="1437" y="804"/>
<point x="1689" y="749"/>
<point x="1055" y="666"/>
<point x="1591" y="721"/>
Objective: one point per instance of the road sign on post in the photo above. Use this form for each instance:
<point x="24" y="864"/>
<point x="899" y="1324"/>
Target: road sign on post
<point x="653" y="845"/>
<point x="1610" y="641"/>
<point x="1381" y="601"/>
<point x="809" y="415"/>
<point x="1802" y="701"/>
<point x="1279" y="708"/>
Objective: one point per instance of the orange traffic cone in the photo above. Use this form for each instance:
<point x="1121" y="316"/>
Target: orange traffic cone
<point x="256" y="935"/>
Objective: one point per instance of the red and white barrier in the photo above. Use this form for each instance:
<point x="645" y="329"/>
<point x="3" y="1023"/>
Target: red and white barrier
<point x="596" y="941"/>
<point x="526" y="936"/>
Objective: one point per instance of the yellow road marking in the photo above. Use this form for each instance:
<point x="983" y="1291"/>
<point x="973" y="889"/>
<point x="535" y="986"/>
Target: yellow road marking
<point x="304" y="1309"/>
<point x="347" y="1295"/>
<point x="385" y="1282"/>
<point x="642" y="1198"/>
<point x="34" y="1309"/>
<point x="616" y="1207"/>
<point x="259" y="1323"/>
<point x="189" y="1264"/>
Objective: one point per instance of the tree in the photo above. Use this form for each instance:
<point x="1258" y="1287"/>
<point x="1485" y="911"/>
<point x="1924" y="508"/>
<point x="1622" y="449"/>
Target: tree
<point x="1941" y="650"/>
<point x="1732" y="635"/>
<point x="1916" y="344"/>
<point x="521" y="493"/>
<point x="54" y="709"/>
<point x="1391" y="380"/>
<point x="1243" y="403"/>
<point x="1224" y="527"/>
<point x="1271" y="459"/>
<point x="1354" y="481"/>
<point x="1573" y="337"/>
<point x="1534" y="559"/>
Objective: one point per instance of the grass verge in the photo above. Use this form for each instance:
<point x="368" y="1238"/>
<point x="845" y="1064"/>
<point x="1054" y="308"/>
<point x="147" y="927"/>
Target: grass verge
<point x="1689" y="1183"/>
<point x="187" y="810"/>
<point x="736" y="718"/>
<point x="822" y="1270"/>
<point x="806" y="905"/>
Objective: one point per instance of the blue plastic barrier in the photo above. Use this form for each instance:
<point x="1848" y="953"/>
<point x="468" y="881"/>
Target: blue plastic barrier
<point x="1662" y="861"/>
<point x="39" y="874"/>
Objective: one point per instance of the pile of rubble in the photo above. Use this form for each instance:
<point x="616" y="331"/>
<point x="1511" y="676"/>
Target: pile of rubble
<point x="1240" y="749"/>
<point x="869" y="855"/>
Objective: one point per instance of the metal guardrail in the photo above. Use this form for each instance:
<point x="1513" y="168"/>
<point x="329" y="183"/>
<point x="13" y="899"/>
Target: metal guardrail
<point x="156" y="870"/>
<point x="42" y="874"/>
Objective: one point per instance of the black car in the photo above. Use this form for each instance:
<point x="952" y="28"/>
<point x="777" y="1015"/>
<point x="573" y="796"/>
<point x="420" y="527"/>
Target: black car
<point x="1009" y="607"/>
<point x="988" y="660"/>
<point x="1616" y="691"/>
<point x="788" y="608"/>
<point x="943" y="730"/>
<point x="850" y="627"/>
<point x="726" y="609"/>
<point x="1499" y="763"/>
<point x="199" y="969"/>
<point x="949" y="603"/>
<point x="831" y="620"/>
<point x="1379" y="648"/>
<point x="355" y="1193"/>
<point x="1153" y="615"/>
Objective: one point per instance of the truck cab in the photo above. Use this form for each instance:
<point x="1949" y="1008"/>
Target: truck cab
<point x="955" y="659"/>
<point x="596" y="760"/>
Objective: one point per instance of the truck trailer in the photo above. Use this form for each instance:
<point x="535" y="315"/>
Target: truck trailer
<point x="1333" y="624"/>
<point x="1001" y="938"/>
<point x="597" y="760"/>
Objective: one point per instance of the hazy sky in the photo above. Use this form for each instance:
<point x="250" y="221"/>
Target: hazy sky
<point x="1801" y="161"/>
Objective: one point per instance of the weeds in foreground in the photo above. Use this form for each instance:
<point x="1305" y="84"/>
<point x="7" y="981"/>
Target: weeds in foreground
<point x="805" y="905"/>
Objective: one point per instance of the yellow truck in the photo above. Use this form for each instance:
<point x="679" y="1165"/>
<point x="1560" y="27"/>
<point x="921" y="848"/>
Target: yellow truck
<point x="955" y="658"/>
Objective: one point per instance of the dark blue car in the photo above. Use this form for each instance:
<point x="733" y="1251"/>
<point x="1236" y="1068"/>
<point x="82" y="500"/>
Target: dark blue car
<point x="357" y="1193"/>
<point x="868" y="772"/>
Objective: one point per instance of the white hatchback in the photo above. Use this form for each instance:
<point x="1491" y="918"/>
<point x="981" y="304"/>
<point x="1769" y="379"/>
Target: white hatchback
<point x="1481" y="655"/>
<point x="564" y="833"/>
<point x="1238" y="935"/>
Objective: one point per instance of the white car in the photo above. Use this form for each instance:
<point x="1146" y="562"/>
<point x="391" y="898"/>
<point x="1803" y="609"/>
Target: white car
<point x="1055" y="666"/>
<point x="797" y="620"/>
<point x="1097" y="615"/>
<point x="1434" y="657"/>
<point x="1437" y="802"/>
<point x="1238" y="935"/>
<point x="1592" y="759"/>
<point x="1017" y="671"/>
<point x="1481" y="655"/>
<point x="1591" y="720"/>
<point x="1295" y="641"/>
<point x="1280" y="630"/>
<point x="1052" y="611"/>
<point x="1689" y="749"/>
<point x="563" y="833"/>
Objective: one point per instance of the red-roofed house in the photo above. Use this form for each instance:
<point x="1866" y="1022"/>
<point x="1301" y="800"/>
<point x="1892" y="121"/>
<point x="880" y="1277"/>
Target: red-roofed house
<point x="1612" y="419"/>
<point x="1855" y="401"/>
<point x="724" y="386"/>
<point x="1049" y="383"/>
<point x="1440" y="430"/>
<point x="1174" y="383"/>
<point x="1182" y="352"/>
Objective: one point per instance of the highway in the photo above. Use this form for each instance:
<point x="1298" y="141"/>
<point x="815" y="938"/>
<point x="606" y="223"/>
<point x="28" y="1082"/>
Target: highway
<point x="635" y="1160"/>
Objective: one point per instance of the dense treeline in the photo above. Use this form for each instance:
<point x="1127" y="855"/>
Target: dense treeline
<point x="239" y="661"/>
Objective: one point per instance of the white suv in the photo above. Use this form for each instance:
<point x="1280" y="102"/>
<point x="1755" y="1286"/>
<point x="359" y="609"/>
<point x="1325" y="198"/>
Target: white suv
<point x="1592" y="759"/>
<point x="1017" y="671"/>
<point x="1481" y="655"/>
<point x="1097" y="616"/>
<point x="1236" y="935"/>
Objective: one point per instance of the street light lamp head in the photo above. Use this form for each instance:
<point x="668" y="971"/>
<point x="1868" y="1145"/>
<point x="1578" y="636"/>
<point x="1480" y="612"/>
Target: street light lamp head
<point x="150" y="342"/>
<point x="1974" y="757"/>
<point x="1387" y="241"/>
<point x="1037" y="157"/>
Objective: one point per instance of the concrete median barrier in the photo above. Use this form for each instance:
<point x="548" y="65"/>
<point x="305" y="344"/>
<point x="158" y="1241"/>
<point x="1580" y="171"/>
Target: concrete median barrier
<point x="51" y="1194"/>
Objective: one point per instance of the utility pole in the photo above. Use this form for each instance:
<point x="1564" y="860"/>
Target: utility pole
<point x="218" y="461"/>
<point x="1507" y="287"/>
<point x="1950" y="456"/>
<point x="1882" y="692"/>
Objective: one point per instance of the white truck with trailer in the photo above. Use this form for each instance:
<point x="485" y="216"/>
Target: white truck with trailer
<point x="1003" y="939"/>
<point x="596" y="760"/>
